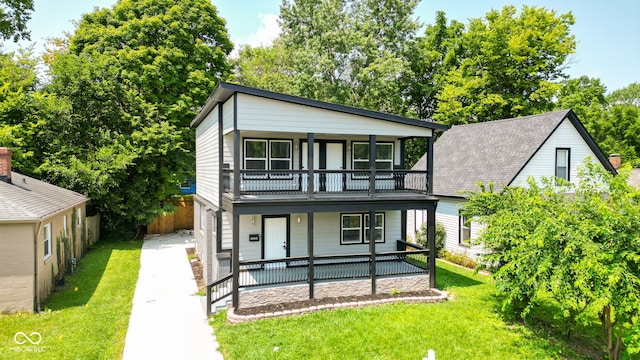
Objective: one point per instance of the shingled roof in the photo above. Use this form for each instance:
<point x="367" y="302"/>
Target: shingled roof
<point x="29" y="199"/>
<point x="495" y="151"/>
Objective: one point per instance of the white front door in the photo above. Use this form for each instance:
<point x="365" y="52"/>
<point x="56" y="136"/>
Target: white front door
<point x="334" y="162"/>
<point x="275" y="238"/>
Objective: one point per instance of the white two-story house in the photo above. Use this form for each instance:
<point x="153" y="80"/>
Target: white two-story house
<point x="505" y="153"/>
<point x="300" y="193"/>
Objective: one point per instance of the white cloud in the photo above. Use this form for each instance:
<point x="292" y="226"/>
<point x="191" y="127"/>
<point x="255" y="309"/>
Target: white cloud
<point x="267" y="32"/>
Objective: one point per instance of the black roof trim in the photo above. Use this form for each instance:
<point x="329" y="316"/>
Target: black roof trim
<point x="225" y="90"/>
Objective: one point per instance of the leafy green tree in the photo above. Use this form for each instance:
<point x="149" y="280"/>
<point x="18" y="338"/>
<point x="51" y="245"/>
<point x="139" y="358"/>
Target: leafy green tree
<point x="269" y="68"/>
<point x="582" y="249"/>
<point x="134" y="76"/>
<point x="629" y="95"/>
<point x="14" y="15"/>
<point x="584" y="95"/>
<point x="509" y="67"/>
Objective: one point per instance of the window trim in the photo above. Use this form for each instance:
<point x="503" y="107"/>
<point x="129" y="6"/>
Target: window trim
<point x="353" y="160"/>
<point x="568" y="166"/>
<point x="268" y="158"/>
<point x="461" y="229"/>
<point x="46" y="230"/>
<point x="65" y="230"/>
<point x="202" y="216"/>
<point x="363" y="228"/>
<point x="79" y="212"/>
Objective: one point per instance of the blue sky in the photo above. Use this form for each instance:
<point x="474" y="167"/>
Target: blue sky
<point x="608" y="32"/>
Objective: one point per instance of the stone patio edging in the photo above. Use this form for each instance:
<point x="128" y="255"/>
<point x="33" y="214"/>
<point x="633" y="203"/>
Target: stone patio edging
<point x="234" y="318"/>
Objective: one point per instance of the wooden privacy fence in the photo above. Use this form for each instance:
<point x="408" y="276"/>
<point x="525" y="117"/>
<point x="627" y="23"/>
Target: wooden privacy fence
<point x="181" y="219"/>
<point x="93" y="228"/>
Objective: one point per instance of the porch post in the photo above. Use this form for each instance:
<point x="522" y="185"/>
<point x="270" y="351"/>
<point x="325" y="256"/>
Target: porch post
<point x="310" y="169"/>
<point x="235" y="252"/>
<point x="372" y="248"/>
<point x="372" y="164"/>
<point x="431" y="243"/>
<point x="310" y="252"/>
<point x="429" y="177"/>
<point x="236" y="164"/>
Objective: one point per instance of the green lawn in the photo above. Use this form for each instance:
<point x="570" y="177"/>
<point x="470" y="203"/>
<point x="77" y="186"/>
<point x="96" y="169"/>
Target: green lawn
<point x="87" y="323"/>
<point x="469" y="326"/>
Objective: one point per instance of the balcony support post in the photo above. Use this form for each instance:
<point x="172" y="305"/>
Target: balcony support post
<point x="431" y="243"/>
<point x="372" y="165"/>
<point x="372" y="249"/>
<point x="310" y="252"/>
<point x="310" y="167"/>
<point x="429" y="177"/>
<point x="235" y="260"/>
<point x="236" y="164"/>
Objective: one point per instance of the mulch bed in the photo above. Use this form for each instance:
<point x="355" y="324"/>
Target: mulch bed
<point x="196" y="267"/>
<point x="294" y="305"/>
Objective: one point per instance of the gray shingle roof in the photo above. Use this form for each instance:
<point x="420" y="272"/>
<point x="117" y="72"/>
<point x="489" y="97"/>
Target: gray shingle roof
<point x="29" y="199"/>
<point x="494" y="151"/>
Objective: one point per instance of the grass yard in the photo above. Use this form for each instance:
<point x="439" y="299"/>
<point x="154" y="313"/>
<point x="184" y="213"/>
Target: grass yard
<point x="88" y="319"/>
<point x="467" y="327"/>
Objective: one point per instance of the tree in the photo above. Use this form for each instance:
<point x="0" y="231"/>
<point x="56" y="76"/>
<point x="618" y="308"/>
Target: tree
<point x="343" y="51"/>
<point x="14" y="15"/>
<point x="584" y="95"/>
<point x="509" y="66"/>
<point x="134" y="76"/>
<point x="629" y="95"/>
<point x="582" y="249"/>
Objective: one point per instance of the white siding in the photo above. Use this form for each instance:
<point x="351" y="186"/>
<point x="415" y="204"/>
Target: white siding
<point x="227" y="150"/>
<point x="415" y="219"/>
<point x="544" y="161"/>
<point x="227" y="116"/>
<point x="207" y="169"/>
<point x="326" y="235"/>
<point x="256" y="113"/>
<point x="447" y="214"/>
<point x="227" y="230"/>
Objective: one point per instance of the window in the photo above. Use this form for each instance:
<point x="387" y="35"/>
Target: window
<point x="47" y="241"/>
<point x="465" y="230"/>
<point x="64" y="226"/>
<point x="563" y="156"/>
<point x="355" y="228"/>
<point x="267" y="154"/>
<point x="384" y="156"/>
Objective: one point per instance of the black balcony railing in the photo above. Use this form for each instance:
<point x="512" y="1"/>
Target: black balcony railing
<point x="296" y="182"/>
<point x="333" y="267"/>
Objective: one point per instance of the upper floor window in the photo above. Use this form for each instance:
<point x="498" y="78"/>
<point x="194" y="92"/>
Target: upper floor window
<point x="465" y="229"/>
<point x="261" y="154"/>
<point x="384" y="156"/>
<point x="563" y="157"/>
<point x="47" y="240"/>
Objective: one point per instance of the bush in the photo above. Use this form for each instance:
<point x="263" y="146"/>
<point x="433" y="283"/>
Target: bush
<point x="441" y="235"/>
<point x="461" y="259"/>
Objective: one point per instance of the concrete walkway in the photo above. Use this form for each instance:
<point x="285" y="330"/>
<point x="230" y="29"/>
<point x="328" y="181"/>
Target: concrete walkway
<point x="167" y="320"/>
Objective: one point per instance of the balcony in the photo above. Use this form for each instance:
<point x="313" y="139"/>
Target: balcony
<point x="280" y="183"/>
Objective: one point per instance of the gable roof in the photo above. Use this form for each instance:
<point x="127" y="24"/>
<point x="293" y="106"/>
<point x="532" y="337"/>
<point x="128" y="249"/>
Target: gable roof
<point x="225" y="90"/>
<point x="495" y="151"/>
<point x="29" y="199"/>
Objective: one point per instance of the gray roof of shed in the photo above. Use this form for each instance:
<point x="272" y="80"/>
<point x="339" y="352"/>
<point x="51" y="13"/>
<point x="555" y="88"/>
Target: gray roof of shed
<point x="495" y="151"/>
<point x="29" y="199"/>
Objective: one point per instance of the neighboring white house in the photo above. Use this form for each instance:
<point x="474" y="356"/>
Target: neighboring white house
<point x="504" y="152"/>
<point x="259" y="219"/>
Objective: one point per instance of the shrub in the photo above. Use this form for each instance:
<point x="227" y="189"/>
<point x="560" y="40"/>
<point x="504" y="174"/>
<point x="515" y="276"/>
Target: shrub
<point x="462" y="259"/>
<point x="441" y="235"/>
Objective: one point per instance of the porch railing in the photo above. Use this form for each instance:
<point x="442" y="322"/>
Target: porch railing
<point x="331" y="267"/>
<point x="296" y="182"/>
<point x="219" y="290"/>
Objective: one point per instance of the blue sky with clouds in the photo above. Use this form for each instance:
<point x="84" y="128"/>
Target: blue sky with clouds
<point x="608" y="32"/>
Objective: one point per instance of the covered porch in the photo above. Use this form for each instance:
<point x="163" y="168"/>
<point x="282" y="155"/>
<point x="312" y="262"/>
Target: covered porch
<point x="268" y="281"/>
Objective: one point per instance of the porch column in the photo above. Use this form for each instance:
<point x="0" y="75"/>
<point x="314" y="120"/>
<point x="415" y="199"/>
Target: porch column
<point x="372" y="249"/>
<point x="235" y="265"/>
<point x="236" y="164"/>
<point x="372" y="165"/>
<point x="310" y="169"/>
<point x="429" y="177"/>
<point x="431" y="243"/>
<point x="310" y="252"/>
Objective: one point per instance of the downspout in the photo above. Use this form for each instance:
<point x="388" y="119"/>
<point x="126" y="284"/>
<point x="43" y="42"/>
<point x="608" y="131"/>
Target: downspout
<point x="36" y="283"/>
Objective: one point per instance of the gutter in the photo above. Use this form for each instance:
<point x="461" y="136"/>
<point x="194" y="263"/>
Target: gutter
<point x="36" y="282"/>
